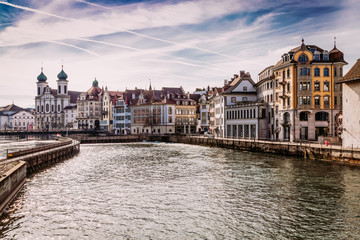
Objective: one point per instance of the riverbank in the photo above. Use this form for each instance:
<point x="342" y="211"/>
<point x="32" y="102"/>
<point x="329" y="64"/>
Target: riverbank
<point x="330" y="153"/>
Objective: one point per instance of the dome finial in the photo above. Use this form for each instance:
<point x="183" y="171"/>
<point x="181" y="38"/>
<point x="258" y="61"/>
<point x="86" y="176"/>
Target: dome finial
<point x="334" y="41"/>
<point x="302" y="40"/>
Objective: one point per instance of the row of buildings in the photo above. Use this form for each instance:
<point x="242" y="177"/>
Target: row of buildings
<point x="299" y="98"/>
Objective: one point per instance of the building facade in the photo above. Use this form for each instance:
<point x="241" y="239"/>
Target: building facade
<point x="50" y="103"/>
<point x="307" y="101"/>
<point x="350" y="122"/>
<point x="89" y="107"/>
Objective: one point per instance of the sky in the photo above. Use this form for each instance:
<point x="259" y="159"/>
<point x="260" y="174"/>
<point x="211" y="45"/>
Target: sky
<point x="190" y="43"/>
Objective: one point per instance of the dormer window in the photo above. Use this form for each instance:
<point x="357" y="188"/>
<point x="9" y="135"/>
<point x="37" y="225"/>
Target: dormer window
<point x="317" y="55"/>
<point x="245" y="88"/>
<point x="325" y="56"/>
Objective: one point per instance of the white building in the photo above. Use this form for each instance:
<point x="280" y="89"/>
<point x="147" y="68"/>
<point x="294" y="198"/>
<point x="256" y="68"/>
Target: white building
<point x="70" y="117"/>
<point x="265" y="94"/>
<point x="50" y="103"/>
<point x="351" y="111"/>
<point x="240" y="108"/>
<point x="13" y="117"/>
<point x="204" y="115"/>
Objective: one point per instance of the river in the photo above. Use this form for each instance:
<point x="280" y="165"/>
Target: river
<point x="178" y="191"/>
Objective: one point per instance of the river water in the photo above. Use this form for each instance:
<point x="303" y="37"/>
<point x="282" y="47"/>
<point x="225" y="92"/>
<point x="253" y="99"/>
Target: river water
<point x="176" y="191"/>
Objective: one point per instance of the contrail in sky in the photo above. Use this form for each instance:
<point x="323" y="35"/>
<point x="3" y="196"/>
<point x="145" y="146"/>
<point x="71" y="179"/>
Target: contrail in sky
<point x="122" y="29"/>
<point x="141" y="50"/>
<point x="76" y="47"/>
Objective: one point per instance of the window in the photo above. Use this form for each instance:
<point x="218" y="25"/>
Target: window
<point x="277" y="83"/>
<point x="303" y="59"/>
<point x="316" y="86"/>
<point x="321" y="116"/>
<point x="288" y="73"/>
<point x="326" y="56"/>
<point x="335" y="71"/>
<point x="341" y="73"/>
<point x="244" y="99"/>
<point x="245" y="88"/>
<point x="326" y="86"/>
<point x="326" y="72"/>
<point x="335" y="100"/>
<point x="308" y="71"/>
<point x="326" y="100"/>
<point x="288" y="102"/>
<point x="65" y="89"/>
<point x="317" y="56"/>
<point x="47" y="107"/>
<point x="52" y="108"/>
<point x="38" y="90"/>
<point x="317" y="100"/>
<point x="233" y="99"/>
<point x="317" y="72"/>
<point x="303" y="71"/>
<point x="58" y="108"/>
<point x="59" y="90"/>
<point x="288" y="87"/>
<point x="38" y="108"/>
<point x="276" y="96"/>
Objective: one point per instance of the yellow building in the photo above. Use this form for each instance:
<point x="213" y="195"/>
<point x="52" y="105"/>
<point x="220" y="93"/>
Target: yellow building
<point x="307" y="101"/>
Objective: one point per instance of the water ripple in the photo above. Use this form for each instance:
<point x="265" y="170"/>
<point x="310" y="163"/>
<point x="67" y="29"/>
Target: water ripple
<point x="175" y="191"/>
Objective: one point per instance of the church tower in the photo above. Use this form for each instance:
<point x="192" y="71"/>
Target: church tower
<point x="41" y="83"/>
<point x="62" y="82"/>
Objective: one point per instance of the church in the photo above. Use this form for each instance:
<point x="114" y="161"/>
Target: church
<point x="50" y="103"/>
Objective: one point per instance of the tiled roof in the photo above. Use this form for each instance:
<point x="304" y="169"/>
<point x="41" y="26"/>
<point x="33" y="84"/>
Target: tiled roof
<point x="353" y="74"/>
<point x="11" y="108"/>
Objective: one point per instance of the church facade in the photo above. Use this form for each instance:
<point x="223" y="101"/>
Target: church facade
<point x="50" y="103"/>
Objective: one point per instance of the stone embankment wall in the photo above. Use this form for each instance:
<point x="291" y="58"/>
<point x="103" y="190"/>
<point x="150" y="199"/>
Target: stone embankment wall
<point x="308" y="151"/>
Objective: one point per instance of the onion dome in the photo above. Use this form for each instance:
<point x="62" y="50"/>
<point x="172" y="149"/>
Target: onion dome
<point x="95" y="83"/>
<point x="62" y="75"/>
<point x="42" y="77"/>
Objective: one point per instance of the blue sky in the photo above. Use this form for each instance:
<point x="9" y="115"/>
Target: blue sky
<point x="124" y="44"/>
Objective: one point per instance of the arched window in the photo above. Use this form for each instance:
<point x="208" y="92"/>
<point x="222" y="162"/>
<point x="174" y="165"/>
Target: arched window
<point x="59" y="91"/>
<point x="303" y="59"/>
<point x="47" y="107"/>
<point x="52" y="108"/>
<point x="321" y="116"/>
<point x="317" y="72"/>
<point x="39" y="91"/>
<point x="42" y="108"/>
<point x="303" y="116"/>
<point x="38" y="108"/>
<point x="326" y="72"/>
<point x="288" y="73"/>
<point x="65" y="89"/>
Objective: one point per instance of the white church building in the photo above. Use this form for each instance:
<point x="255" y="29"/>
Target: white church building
<point x="50" y="103"/>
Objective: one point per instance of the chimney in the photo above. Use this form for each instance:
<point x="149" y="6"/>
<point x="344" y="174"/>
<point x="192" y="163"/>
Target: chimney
<point x="225" y="82"/>
<point x="242" y="72"/>
<point x="248" y="73"/>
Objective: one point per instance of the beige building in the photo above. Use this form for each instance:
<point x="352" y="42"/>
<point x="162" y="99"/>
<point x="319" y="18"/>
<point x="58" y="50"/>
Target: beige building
<point x="89" y="108"/>
<point x="351" y="112"/>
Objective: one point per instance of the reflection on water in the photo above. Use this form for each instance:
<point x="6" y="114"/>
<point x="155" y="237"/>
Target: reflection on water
<point x="175" y="191"/>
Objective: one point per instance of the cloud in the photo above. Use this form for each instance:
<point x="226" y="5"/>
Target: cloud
<point x="190" y="43"/>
